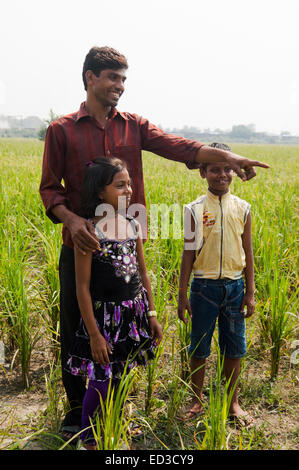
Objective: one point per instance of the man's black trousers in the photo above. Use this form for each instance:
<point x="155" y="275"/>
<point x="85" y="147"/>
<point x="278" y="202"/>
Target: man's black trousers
<point x="69" y="320"/>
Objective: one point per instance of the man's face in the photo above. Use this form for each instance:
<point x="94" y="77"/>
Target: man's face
<point x="108" y="87"/>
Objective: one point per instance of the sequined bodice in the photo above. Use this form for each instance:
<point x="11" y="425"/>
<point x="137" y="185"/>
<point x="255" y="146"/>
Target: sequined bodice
<point x="114" y="270"/>
<point x="121" y="255"/>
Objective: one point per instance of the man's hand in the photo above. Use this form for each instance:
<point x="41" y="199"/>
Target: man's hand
<point x="238" y="164"/>
<point x="243" y="167"/>
<point x="83" y="234"/>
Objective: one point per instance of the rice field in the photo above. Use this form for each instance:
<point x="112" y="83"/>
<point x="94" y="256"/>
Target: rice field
<point x="155" y="396"/>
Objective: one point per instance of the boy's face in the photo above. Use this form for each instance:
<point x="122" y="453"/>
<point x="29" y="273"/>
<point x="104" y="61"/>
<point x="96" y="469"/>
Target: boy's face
<point x="219" y="177"/>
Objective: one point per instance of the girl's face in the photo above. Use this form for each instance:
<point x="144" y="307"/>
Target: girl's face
<point x="119" y="187"/>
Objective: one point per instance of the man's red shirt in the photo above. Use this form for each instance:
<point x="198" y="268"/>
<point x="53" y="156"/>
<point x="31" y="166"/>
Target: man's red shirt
<point x="73" y="140"/>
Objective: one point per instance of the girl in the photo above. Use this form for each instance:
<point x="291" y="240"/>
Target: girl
<point x="118" y="320"/>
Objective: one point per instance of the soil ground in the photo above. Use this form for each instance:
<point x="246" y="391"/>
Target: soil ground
<point x="274" y="407"/>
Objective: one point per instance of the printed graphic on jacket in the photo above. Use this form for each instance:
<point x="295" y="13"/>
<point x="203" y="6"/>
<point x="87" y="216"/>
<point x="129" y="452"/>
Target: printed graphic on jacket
<point x="208" y="219"/>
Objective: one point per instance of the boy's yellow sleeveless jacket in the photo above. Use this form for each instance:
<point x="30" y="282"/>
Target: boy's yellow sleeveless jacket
<point x="219" y="224"/>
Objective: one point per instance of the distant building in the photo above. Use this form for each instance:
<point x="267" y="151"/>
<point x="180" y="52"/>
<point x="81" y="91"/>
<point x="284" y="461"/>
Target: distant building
<point x="4" y="124"/>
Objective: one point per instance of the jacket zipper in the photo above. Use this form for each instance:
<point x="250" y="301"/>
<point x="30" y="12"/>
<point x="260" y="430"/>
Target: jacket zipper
<point x="221" y="240"/>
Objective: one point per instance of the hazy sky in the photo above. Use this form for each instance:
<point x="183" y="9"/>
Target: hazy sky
<point x="204" y="63"/>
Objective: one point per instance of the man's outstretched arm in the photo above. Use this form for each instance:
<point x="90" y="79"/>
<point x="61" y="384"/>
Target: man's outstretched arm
<point x="192" y="152"/>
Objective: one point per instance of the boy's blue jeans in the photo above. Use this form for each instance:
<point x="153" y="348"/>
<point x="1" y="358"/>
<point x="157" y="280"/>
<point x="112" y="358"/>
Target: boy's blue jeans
<point x="211" y="299"/>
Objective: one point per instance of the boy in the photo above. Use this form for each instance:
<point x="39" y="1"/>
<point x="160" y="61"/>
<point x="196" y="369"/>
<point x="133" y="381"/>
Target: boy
<point x="219" y="251"/>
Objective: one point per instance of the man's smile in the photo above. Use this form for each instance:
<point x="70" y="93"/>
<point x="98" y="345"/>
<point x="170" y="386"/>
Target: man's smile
<point x="115" y="94"/>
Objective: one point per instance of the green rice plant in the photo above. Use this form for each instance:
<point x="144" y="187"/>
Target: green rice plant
<point x="278" y="320"/>
<point x="153" y="369"/>
<point x="153" y="366"/>
<point x="177" y="392"/>
<point x="216" y="416"/>
<point x="54" y="410"/>
<point x="111" y="426"/>
<point x="184" y="331"/>
<point x="265" y="325"/>
<point x="49" y="237"/>
<point x="17" y="255"/>
<point x="160" y="276"/>
<point x="17" y="295"/>
<point x="23" y="330"/>
<point x="246" y="446"/>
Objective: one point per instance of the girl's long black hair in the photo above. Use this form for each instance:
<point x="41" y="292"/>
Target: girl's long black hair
<point x="99" y="173"/>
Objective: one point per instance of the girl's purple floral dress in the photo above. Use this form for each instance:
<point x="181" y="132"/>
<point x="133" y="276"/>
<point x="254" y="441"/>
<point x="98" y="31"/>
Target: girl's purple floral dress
<point x="120" y="306"/>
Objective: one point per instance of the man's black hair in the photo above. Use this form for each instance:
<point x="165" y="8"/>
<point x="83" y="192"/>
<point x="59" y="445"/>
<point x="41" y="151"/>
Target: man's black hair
<point x="101" y="58"/>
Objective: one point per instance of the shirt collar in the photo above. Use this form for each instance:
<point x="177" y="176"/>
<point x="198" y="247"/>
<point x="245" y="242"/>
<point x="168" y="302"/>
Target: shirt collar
<point x="216" y="198"/>
<point x="83" y="113"/>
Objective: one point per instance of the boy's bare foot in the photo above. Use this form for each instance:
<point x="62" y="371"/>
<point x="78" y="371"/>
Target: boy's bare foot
<point x="243" y="421"/>
<point x="193" y="410"/>
<point x="240" y="417"/>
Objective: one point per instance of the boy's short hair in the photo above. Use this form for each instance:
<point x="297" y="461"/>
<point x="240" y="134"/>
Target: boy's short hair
<point x="217" y="145"/>
<point x="101" y="58"/>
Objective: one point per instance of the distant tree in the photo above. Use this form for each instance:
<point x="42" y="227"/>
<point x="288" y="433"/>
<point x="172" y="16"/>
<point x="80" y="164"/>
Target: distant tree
<point x="243" y="131"/>
<point x="43" y="129"/>
<point x="31" y="122"/>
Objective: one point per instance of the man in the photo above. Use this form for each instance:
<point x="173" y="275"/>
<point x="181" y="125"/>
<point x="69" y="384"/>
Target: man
<point x="98" y="129"/>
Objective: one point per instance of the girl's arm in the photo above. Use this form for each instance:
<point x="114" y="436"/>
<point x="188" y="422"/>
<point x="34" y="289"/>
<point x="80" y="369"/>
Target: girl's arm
<point x="248" y="298"/>
<point x="155" y="325"/>
<point x="99" y="346"/>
